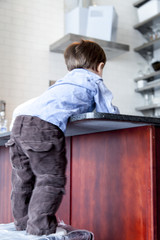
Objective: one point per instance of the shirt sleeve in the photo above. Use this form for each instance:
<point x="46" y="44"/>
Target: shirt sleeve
<point x="103" y="99"/>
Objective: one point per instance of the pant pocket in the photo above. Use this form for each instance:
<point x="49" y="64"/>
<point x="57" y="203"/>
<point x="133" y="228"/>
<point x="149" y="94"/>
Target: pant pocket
<point x="15" y="155"/>
<point x="37" y="146"/>
<point x="10" y="143"/>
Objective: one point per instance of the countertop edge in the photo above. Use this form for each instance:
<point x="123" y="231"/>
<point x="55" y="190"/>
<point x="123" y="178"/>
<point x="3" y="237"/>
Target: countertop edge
<point x="114" y="117"/>
<point x="77" y="123"/>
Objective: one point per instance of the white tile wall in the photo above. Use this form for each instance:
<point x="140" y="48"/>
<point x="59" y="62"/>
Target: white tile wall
<point x="27" y="28"/>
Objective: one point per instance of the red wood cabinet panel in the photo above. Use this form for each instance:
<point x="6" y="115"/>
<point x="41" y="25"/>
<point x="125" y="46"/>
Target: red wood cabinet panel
<point x="157" y="184"/>
<point x="113" y="177"/>
<point x="63" y="212"/>
<point x="5" y="186"/>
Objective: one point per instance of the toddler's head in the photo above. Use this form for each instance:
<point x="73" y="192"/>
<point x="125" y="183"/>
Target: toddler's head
<point x="84" y="54"/>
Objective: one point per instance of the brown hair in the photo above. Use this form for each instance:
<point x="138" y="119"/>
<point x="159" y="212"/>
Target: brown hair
<point x="84" y="54"/>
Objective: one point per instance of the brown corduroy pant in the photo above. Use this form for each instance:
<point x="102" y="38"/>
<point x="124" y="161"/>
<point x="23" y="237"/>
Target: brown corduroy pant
<point x="38" y="158"/>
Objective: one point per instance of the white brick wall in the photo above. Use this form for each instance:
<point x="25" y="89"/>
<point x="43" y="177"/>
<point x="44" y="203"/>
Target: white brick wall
<point x="28" y="27"/>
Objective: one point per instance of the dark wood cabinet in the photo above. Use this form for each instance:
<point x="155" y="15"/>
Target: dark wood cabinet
<point x="5" y="186"/>
<point x="112" y="184"/>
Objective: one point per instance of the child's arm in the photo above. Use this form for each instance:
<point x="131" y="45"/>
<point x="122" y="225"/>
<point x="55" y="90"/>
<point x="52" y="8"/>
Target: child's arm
<point x="103" y="99"/>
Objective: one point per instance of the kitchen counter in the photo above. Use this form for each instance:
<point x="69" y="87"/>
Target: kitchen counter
<point x="91" y="122"/>
<point x="4" y="138"/>
<point x="98" y="122"/>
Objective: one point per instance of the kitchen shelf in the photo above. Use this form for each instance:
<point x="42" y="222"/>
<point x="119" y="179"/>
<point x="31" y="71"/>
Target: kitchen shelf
<point x="148" y="86"/>
<point x="113" y="49"/>
<point x="149" y="77"/>
<point x="140" y="3"/>
<point x="148" y="107"/>
<point x="153" y="79"/>
<point x="148" y="47"/>
<point x="146" y="25"/>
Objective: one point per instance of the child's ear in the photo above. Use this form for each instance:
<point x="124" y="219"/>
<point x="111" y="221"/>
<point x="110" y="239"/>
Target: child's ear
<point x="100" y="68"/>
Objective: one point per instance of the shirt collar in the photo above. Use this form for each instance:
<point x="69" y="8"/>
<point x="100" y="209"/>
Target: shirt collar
<point x="90" y="73"/>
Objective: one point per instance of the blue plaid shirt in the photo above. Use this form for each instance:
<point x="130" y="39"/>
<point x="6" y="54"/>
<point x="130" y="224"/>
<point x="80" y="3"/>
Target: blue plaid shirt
<point x="78" y="92"/>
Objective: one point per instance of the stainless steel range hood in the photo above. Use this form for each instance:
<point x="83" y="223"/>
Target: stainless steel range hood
<point x="112" y="49"/>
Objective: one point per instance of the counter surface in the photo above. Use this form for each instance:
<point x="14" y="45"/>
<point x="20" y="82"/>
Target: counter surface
<point x="99" y="122"/>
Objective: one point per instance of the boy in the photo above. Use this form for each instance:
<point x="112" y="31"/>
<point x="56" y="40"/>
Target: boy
<point x="37" y="143"/>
